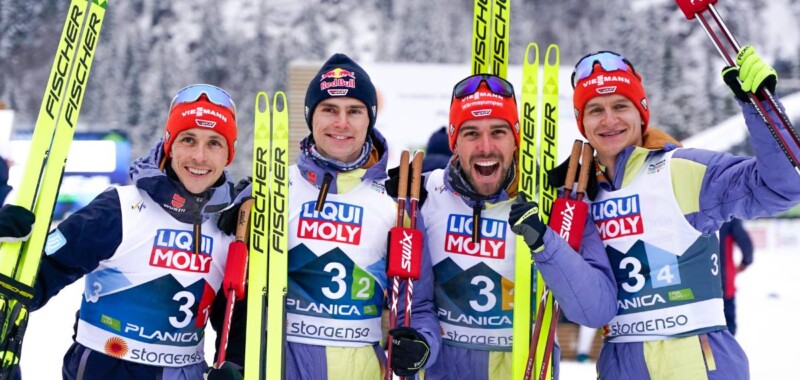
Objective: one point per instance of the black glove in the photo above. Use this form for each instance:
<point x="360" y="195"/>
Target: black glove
<point x="558" y="175"/>
<point x="228" y="371"/>
<point x="525" y="221"/>
<point x="16" y="223"/>
<point x="392" y="183"/>
<point x="230" y="217"/>
<point x="410" y="351"/>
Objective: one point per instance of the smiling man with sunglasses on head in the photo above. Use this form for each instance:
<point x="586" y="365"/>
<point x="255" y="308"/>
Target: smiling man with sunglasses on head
<point x="474" y="266"/>
<point x="658" y="208"/>
<point x="151" y="253"/>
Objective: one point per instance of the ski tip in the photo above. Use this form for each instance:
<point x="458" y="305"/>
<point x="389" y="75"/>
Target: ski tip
<point x="532" y="46"/>
<point x="552" y="54"/>
<point x="279" y="100"/>
<point x="262" y="98"/>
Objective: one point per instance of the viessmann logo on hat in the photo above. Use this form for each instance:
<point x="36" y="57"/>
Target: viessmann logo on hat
<point x="602" y="79"/>
<point x="202" y="111"/>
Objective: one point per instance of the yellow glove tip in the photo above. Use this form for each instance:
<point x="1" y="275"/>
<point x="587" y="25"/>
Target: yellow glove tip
<point x="744" y="52"/>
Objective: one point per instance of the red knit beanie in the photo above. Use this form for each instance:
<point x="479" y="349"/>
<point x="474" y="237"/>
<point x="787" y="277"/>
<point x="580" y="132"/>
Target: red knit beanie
<point x="601" y="82"/>
<point x="201" y="114"/>
<point x="482" y="104"/>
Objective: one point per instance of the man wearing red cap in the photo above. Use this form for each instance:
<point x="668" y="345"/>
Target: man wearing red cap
<point x="468" y="217"/>
<point x="658" y="208"/>
<point x="151" y="253"/>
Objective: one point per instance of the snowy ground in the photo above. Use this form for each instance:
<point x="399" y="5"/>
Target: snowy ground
<point x="768" y="301"/>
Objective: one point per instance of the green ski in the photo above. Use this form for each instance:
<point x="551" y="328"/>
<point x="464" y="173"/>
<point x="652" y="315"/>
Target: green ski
<point x="548" y="154"/>
<point x="268" y="258"/>
<point x="256" y="335"/>
<point x="538" y="144"/>
<point x="490" y="32"/>
<point x="38" y="190"/>
<point x="528" y="170"/>
<point x="279" y="242"/>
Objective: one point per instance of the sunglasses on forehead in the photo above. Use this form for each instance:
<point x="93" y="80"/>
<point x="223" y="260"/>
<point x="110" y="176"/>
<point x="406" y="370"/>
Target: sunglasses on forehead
<point x="608" y="60"/>
<point x="214" y="94"/>
<point x="470" y="85"/>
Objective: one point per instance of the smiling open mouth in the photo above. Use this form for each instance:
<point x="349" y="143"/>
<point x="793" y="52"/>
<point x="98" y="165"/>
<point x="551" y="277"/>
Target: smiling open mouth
<point x="198" y="171"/>
<point x="486" y="168"/>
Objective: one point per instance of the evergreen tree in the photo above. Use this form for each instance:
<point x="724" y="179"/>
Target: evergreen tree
<point x="210" y="53"/>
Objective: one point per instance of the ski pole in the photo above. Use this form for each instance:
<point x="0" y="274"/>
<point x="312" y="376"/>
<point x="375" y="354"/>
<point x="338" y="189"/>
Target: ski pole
<point x="235" y="270"/>
<point x="405" y="246"/>
<point x="402" y="193"/>
<point x="416" y="178"/>
<point x="702" y="11"/>
<point x="572" y="168"/>
<point x="587" y="153"/>
<point x="567" y="219"/>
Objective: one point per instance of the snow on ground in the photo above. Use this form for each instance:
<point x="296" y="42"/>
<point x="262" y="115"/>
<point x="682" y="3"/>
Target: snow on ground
<point x="768" y="301"/>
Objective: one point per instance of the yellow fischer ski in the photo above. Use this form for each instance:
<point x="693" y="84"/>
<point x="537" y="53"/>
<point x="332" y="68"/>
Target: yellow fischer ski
<point x="527" y="185"/>
<point x="278" y="238"/>
<point x="38" y="190"/>
<point x="256" y="335"/>
<point x="268" y="270"/>
<point x="548" y="154"/>
<point x="538" y="154"/>
<point x="490" y="35"/>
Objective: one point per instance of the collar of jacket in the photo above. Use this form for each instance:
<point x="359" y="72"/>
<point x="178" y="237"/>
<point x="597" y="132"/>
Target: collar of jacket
<point x="632" y="158"/>
<point x="473" y="199"/>
<point x="172" y="196"/>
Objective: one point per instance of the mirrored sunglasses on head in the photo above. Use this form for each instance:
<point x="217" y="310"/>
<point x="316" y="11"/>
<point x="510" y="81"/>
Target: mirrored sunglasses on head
<point x="214" y="95"/>
<point x="470" y="85"/>
<point x="608" y="60"/>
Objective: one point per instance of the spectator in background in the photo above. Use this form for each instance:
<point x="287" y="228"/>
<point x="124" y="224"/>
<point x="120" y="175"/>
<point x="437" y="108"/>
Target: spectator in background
<point x="5" y="165"/>
<point x="4" y="187"/>
<point x="437" y="153"/>
<point x="733" y="232"/>
<point x="585" y="339"/>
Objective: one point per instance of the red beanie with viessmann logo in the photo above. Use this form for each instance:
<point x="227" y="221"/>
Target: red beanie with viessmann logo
<point x="482" y="104"/>
<point x="201" y="114"/>
<point x="603" y="82"/>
